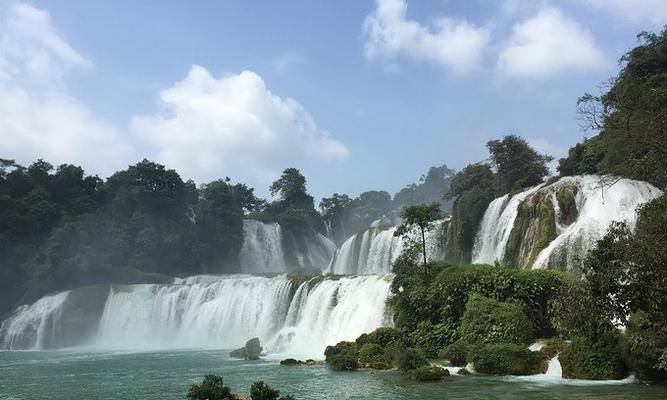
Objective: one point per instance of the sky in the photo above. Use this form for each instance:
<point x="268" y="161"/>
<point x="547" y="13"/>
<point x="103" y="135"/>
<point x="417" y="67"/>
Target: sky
<point x="357" y="94"/>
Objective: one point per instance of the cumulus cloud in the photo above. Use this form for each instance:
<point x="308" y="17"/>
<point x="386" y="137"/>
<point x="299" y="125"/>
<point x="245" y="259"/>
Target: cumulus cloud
<point x="209" y="126"/>
<point x="652" y="11"/>
<point x="451" y="43"/>
<point x="38" y="119"/>
<point x="549" y="43"/>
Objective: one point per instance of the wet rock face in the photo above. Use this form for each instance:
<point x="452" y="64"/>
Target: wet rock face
<point x="251" y="351"/>
<point x="80" y="316"/>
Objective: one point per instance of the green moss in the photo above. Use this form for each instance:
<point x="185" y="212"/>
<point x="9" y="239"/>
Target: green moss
<point x="506" y="359"/>
<point x="533" y="229"/>
<point x="566" y="199"/>
<point x="490" y="321"/>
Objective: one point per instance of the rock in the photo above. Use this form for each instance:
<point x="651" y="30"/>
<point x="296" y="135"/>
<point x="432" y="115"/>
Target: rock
<point x="291" y="361"/>
<point x="463" y="371"/>
<point x="251" y="351"/>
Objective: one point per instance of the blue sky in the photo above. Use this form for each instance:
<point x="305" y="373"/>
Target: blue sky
<point x="358" y="94"/>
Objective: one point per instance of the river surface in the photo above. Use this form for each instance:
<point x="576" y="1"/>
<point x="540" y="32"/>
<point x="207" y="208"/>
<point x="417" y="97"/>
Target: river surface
<point x="166" y="375"/>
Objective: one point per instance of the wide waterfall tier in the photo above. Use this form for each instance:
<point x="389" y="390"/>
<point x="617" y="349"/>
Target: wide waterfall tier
<point x="267" y="248"/>
<point x="374" y="250"/>
<point x="554" y="226"/>
<point x="298" y="318"/>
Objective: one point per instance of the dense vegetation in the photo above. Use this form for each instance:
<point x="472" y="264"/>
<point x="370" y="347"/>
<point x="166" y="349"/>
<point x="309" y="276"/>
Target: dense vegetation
<point x="630" y="117"/>
<point x="513" y="166"/>
<point x="60" y="228"/>
<point x="213" y="387"/>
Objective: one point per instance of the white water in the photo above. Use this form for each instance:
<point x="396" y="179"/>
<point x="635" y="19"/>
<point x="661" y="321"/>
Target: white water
<point x="374" y="251"/>
<point x="598" y="204"/>
<point x="495" y="228"/>
<point x="262" y="249"/>
<point x="31" y="326"/>
<point x="220" y="312"/>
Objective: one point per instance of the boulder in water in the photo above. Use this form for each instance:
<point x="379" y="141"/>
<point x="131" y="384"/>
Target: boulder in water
<point x="251" y="351"/>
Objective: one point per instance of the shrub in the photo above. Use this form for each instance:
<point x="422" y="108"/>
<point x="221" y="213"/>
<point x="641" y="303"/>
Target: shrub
<point x="342" y="357"/>
<point x="456" y="353"/>
<point x="407" y="359"/>
<point x="428" y="374"/>
<point x="490" y="321"/>
<point x="383" y="336"/>
<point x="506" y="359"/>
<point x="644" y="345"/>
<point x="261" y="391"/>
<point x="598" y="359"/>
<point x="211" y="388"/>
<point x="371" y="353"/>
<point x="431" y="338"/>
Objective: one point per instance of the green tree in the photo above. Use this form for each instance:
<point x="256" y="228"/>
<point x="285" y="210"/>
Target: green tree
<point x="631" y="117"/>
<point x="212" y="387"/>
<point x="423" y="217"/>
<point x="517" y="164"/>
<point x="294" y="209"/>
<point x="334" y="210"/>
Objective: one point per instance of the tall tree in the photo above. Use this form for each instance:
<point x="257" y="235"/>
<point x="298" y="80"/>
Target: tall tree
<point x="517" y="164"/>
<point x="422" y="217"/>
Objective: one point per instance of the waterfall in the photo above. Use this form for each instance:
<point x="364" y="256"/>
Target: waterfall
<point x="597" y="201"/>
<point x="495" y="228"/>
<point x="265" y="250"/>
<point x="262" y="249"/>
<point x="33" y="326"/>
<point x="215" y="311"/>
<point x="374" y="250"/>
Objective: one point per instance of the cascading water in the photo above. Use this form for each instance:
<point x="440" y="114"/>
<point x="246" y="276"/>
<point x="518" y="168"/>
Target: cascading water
<point x="222" y="312"/>
<point x="262" y="249"/>
<point x="495" y="228"/>
<point x="374" y="250"/>
<point x="597" y="201"/>
<point x="33" y="326"/>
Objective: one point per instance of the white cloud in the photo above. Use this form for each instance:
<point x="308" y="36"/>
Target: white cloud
<point x="454" y="44"/>
<point x="652" y="11"/>
<point x="38" y="119"/>
<point x="549" y="43"/>
<point x="208" y="127"/>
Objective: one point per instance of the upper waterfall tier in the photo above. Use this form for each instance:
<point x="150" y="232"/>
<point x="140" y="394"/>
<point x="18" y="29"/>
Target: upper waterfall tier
<point x="290" y="317"/>
<point x="374" y="250"/>
<point x="267" y="248"/>
<point x="555" y="225"/>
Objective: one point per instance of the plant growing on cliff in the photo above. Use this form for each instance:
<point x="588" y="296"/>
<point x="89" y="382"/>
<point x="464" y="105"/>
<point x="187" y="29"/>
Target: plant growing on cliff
<point x="422" y="218"/>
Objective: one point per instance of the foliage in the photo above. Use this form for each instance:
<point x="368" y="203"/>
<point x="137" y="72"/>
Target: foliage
<point x="261" y="391"/>
<point x="421" y="216"/>
<point x="644" y="345"/>
<point x="487" y="320"/>
<point x="383" y="336"/>
<point x="371" y="353"/>
<point x="430" y="338"/>
<point x="430" y="188"/>
<point x="456" y="353"/>
<point x="343" y="356"/>
<point x="443" y="298"/>
<point x="251" y="351"/>
<point x="211" y="388"/>
<point x="506" y="359"/>
<point x="294" y="209"/>
<point x="428" y="374"/>
<point x="517" y="165"/>
<point x="407" y="359"/>
<point x="593" y="358"/>
<point x="630" y="115"/>
<point x="473" y="189"/>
